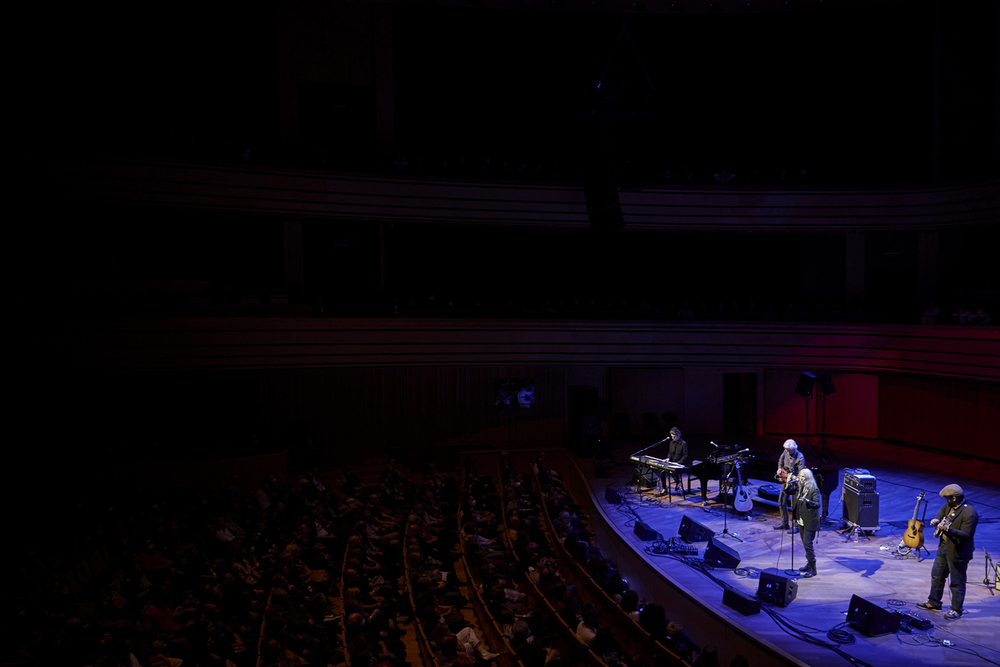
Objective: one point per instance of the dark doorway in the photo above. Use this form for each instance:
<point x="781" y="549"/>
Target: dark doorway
<point x="739" y="403"/>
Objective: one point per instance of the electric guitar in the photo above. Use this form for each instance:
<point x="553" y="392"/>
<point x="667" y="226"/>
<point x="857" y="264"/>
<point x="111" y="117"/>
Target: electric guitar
<point x="945" y="524"/>
<point x="789" y="481"/>
<point x="914" y="537"/>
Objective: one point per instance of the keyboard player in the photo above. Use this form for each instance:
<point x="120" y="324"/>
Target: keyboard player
<point x="678" y="453"/>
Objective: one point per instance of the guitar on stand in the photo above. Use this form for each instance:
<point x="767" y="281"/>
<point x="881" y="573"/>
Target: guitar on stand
<point x="742" y="501"/>
<point x="913" y="538"/>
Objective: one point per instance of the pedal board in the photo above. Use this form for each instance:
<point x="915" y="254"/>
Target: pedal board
<point x="912" y="620"/>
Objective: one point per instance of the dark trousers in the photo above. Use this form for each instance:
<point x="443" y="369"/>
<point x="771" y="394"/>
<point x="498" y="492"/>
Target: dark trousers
<point x="945" y="566"/>
<point x="783" y="505"/>
<point x="673" y="475"/>
<point x="808" y="537"/>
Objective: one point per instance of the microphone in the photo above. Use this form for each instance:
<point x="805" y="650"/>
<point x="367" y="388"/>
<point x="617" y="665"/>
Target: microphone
<point x="712" y="443"/>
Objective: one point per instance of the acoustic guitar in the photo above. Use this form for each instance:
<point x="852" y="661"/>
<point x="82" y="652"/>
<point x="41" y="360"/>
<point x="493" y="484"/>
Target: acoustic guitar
<point x="742" y="502"/>
<point x="914" y="537"/>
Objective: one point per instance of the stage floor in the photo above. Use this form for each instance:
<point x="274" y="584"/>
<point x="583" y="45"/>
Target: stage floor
<point x="865" y="566"/>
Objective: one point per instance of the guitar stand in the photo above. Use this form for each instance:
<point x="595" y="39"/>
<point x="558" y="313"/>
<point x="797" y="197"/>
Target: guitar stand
<point x="903" y="550"/>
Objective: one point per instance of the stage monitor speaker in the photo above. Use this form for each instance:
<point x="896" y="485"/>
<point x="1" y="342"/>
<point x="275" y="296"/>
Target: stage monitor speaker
<point x="805" y="386"/>
<point x="777" y="589"/>
<point x="692" y="531"/>
<point x="721" y="555"/>
<point x="826" y="383"/>
<point x="644" y="532"/>
<point x="870" y="618"/>
<point x="612" y="496"/>
<point x="745" y="604"/>
<point x="861" y="508"/>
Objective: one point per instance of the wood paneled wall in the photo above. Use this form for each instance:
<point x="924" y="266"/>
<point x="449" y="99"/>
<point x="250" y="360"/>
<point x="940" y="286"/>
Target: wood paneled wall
<point x="961" y="417"/>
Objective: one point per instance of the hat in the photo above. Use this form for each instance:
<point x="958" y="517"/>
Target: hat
<point x="790" y="444"/>
<point x="952" y="490"/>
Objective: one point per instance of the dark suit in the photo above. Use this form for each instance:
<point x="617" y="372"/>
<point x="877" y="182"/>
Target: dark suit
<point x="954" y="553"/>
<point x="807" y="508"/>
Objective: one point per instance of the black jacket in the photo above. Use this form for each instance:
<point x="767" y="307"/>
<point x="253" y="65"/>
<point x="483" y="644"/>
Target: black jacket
<point x="678" y="452"/>
<point x="959" y="538"/>
<point x="807" y="508"/>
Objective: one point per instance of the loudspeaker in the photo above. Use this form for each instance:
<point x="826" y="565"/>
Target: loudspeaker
<point x="644" y="532"/>
<point x="870" y="618"/>
<point x="745" y="604"/>
<point x="692" y="531"/>
<point x="805" y="385"/>
<point x="777" y="589"/>
<point x="612" y="496"/>
<point x="826" y="383"/>
<point x="721" y="555"/>
<point x="861" y="508"/>
<point x="583" y="401"/>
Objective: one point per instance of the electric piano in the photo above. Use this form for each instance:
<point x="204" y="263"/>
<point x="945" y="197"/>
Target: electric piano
<point x="658" y="464"/>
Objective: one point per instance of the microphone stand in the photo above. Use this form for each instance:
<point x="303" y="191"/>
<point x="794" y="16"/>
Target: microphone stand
<point x="792" y="572"/>
<point x="986" y="579"/>
<point x="725" y="513"/>
<point x="640" y="465"/>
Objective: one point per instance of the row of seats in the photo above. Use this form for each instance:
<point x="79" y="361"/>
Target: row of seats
<point x="645" y="634"/>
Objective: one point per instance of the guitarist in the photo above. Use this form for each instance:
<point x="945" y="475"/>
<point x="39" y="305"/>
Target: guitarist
<point x="790" y="466"/>
<point x="956" y="523"/>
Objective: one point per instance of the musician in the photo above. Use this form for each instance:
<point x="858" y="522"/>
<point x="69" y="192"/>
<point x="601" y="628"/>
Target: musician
<point x="678" y="453"/>
<point x="790" y="464"/>
<point x="957" y="521"/>
<point x="807" y="508"/>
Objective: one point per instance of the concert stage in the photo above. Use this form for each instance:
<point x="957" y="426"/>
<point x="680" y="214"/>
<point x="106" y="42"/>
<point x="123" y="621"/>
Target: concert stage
<point x="847" y="566"/>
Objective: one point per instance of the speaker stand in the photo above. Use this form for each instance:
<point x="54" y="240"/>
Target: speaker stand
<point x="824" y="451"/>
<point x="852" y="529"/>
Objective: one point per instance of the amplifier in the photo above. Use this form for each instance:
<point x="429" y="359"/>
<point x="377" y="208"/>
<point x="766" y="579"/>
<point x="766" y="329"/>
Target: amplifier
<point x="858" y="481"/>
<point x="861" y="509"/>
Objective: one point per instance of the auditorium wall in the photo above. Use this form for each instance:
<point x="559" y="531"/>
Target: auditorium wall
<point x="951" y="415"/>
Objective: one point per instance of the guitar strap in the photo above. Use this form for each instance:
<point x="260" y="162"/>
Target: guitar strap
<point x="954" y="514"/>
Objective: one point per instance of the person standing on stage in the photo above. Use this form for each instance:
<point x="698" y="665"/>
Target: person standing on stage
<point x="790" y="463"/>
<point x="807" y="505"/>
<point x="956" y="526"/>
<point x="678" y="453"/>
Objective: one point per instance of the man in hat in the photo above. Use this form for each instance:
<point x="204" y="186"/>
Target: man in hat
<point x="956" y="525"/>
<point x="678" y="453"/>
<point x="790" y="463"/>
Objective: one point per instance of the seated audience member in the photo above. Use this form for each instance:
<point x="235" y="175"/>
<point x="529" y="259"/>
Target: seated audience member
<point x="586" y="629"/>
<point x="607" y="648"/>
<point x="679" y="641"/>
<point x="630" y="604"/>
